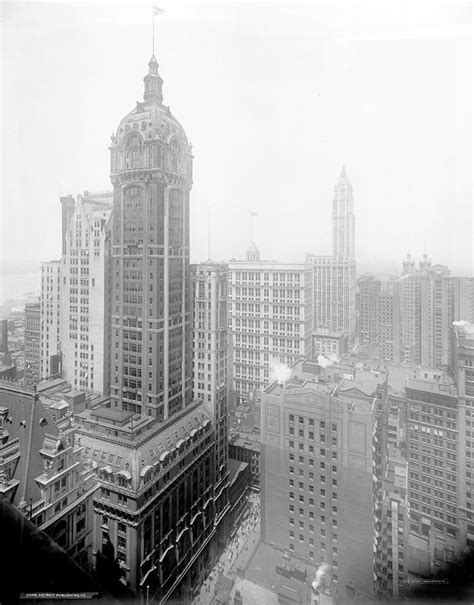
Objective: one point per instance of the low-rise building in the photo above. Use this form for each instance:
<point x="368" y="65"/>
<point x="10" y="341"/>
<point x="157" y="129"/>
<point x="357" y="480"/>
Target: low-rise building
<point x="245" y="447"/>
<point x="41" y="471"/>
<point x="154" y="512"/>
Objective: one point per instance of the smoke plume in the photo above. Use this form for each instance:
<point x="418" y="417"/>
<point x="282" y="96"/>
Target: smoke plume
<point x="320" y="574"/>
<point x="467" y="327"/>
<point x="279" y="372"/>
<point x="325" y="362"/>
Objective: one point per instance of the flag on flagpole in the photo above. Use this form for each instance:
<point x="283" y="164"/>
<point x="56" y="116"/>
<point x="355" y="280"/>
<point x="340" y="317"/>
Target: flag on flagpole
<point x="157" y="11"/>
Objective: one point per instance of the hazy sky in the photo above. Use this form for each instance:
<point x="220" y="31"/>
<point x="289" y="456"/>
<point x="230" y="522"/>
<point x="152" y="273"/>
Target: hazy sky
<point x="274" y="96"/>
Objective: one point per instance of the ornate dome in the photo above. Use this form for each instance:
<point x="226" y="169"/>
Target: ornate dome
<point x="151" y="119"/>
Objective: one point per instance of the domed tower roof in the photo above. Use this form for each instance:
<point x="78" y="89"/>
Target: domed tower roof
<point x="151" y="118"/>
<point x="253" y="253"/>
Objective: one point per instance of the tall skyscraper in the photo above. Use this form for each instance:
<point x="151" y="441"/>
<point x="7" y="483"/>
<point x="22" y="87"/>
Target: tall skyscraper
<point x="153" y="446"/>
<point x="150" y="287"/>
<point x="343" y="219"/>
<point x="436" y="483"/>
<point x="334" y="277"/>
<point x="211" y="362"/>
<point x="83" y="289"/>
<point x="369" y="289"/>
<point x="50" y="305"/>
<point x="269" y="318"/>
<point x="463" y="346"/>
<point x="426" y="302"/>
<point x="317" y="465"/>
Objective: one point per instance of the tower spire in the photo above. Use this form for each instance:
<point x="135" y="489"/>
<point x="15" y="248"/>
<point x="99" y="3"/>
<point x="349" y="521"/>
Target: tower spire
<point x="153" y="83"/>
<point x="343" y="176"/>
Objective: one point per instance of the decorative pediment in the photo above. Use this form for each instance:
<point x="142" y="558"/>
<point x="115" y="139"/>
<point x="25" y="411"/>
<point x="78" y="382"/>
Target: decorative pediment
<point x="307" y="397"/>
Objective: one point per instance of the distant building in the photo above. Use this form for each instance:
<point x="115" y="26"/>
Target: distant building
<point x="245" y="447"/>
<point x="50" y="308"/>
<point x="369" y="290"/>
<point x="40" y="469"/>
<point x="269" y="318"/>
<point x="3" y="335"/>
<point x="378" y="323"/>
<point x="329" y="344"/>
<point x="32" y="342"/>
<point x="426" y="304"/>
<point x="343" y="219"/>
<point x="83" y="289"/>
<point x="334" y="276"/>
<point x="317" y="465"/>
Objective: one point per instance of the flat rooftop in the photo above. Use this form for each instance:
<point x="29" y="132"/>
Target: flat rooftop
<point x="431" y="386"/>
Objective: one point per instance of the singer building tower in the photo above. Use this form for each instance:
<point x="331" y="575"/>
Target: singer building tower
<point x="149" y="300"/>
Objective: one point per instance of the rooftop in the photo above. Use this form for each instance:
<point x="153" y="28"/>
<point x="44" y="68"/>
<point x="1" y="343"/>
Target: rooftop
<point x="430" y="386"/>
<point x="261" y="571"/>
<point x="148" y="449"/>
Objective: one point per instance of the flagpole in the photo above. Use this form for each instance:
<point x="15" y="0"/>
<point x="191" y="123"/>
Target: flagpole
<point x="209" y="233"/>
<point x="153" y="29"/>
<point x="251" y="219"/>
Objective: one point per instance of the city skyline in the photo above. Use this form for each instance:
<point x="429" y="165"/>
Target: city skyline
<point x="244" y="126"/>
<point x="270" y="428"/>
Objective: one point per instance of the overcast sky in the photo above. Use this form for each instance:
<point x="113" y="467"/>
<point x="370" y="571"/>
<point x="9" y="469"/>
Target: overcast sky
<point x="275" y="97"/>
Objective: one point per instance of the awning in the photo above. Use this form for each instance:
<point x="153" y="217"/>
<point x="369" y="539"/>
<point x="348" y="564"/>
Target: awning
<point x="179" y="443"/>
<point x="147" y="575"/>
<point x="193" y="432"/>
<point x="125" y="475"/>
<point x="195" y="517"/>
<point x="145" y="470"/>
<point x="181" y="533"/>
<point x="163" y="455"/>
<point x="166" y="552"/>
<point x="107" y="469"/>
<point x="206" y="422"/>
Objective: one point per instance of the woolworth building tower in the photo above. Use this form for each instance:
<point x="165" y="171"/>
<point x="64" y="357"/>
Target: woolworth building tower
<point x="149" y="290"/>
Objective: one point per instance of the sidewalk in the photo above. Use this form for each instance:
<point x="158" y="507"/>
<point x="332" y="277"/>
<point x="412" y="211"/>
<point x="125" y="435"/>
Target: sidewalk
<point x="236" y="555"/>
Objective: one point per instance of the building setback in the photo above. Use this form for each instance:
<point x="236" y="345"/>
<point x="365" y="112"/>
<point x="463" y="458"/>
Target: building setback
<point x="83" y="290"/>
<point x="154" y="513"/>
<point x="152" y="445"/>
<point x="269" y="319"/>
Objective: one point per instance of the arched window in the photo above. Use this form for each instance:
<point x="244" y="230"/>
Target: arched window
<point x="133" y="154"/>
